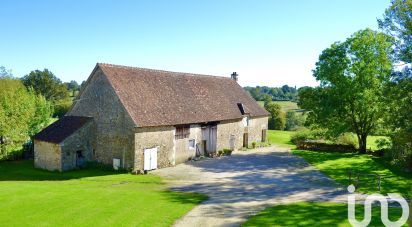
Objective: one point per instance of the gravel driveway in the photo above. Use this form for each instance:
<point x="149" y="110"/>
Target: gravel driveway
<point x="241" y="185"/>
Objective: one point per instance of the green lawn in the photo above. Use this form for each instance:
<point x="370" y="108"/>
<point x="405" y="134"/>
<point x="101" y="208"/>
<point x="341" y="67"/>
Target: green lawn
<point x="336" y="166"/>
<point x="280" y="138"/>
<point x="90" y="197"/>
<point x="285" y="105"/>
<point x="315" y="214"/>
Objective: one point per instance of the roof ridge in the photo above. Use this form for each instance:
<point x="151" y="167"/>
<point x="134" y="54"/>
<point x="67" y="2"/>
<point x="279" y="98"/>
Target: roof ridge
<point x="160" y="70"/>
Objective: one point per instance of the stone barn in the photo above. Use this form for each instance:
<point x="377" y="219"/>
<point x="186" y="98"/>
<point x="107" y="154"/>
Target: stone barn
<point x="142" y="119"/>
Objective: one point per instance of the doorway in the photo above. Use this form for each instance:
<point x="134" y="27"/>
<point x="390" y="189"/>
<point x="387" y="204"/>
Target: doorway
<point x="209" y="135"/>
<point x="80" y="160"/>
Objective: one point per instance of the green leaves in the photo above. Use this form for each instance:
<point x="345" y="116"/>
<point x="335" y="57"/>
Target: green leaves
<point x="22" y="114"/>
<point x="352" y="77"/>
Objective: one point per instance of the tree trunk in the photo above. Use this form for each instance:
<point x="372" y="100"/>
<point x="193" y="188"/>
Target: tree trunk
<point x="362" y="143"/>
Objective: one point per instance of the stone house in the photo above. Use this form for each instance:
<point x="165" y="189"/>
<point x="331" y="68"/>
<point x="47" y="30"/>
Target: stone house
<point x="142" y="119"/>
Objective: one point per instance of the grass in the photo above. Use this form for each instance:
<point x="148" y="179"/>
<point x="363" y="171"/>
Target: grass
<point x="285" y="105"/>
<point x="280" y="138"/>
<point x="336" y="166"/>
<point x="315" y="214"/>
<point x="89" y="197"/>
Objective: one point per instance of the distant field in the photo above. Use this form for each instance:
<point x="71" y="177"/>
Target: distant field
<point x="286" y="105"/>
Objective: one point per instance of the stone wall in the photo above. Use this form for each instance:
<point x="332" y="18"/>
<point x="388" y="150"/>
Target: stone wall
<point x="256" y="125"/>
<point x="160" y="137"/>
<point x="81" y="141"/>
<point x="225" y="130"/>
<point x="170" y="151"/>
<point x="113" y="129"/>
<point x="182" y="150"/>
<point x="47" y="156"/>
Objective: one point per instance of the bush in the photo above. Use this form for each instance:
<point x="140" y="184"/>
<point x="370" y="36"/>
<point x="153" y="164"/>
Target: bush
<point x="301" y="136"/>
<point x="347" y="139"/>
<point x="294" y="120"/>
<point x="253" y="144"/>
<point x="61" y="108"/>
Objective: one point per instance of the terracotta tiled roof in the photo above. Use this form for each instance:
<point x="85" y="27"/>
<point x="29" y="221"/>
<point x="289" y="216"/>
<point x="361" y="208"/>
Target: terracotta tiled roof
<point x="61" y="129"/>
<point x="156" y="98"/>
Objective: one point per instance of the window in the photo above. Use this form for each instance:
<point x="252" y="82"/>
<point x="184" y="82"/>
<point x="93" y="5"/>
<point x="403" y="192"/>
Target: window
<point x="192" y="144"/>
<point x="182" y="132"/>
<point x="246" y="121"/>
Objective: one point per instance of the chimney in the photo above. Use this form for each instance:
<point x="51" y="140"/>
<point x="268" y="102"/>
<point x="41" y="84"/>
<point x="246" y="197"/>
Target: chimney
<point x="234" y="76"/>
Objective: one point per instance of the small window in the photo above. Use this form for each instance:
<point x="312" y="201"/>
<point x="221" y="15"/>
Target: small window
<point x="246" y="121"/>
<point x="192" y="144"/>
<point x="182" y="132"/>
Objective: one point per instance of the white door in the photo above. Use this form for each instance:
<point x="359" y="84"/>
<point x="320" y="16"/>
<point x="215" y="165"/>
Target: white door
<point x="150" y="158"/>
<point x="153" y="158"/>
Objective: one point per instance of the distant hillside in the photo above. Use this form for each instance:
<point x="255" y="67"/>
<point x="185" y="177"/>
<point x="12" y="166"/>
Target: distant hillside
<point x="286" y="105"/>
<point x="284" y="93"/>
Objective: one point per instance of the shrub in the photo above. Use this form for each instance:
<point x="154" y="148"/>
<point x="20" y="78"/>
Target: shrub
<point x="301" y="136"/>
<point x="294" y="120"/>
<point x="227" y="151"/>
<point x="347" y="139"/>
<point x="253" y="144"/>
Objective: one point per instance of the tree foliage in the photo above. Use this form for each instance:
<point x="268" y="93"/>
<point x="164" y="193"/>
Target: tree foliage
<point x="352" y="77"/>
<point x="277" y="116"/>
<point x="5" y="73"/>
<point x="22" y="114"/>
<point x="285" y="93"/>
<point x="47" y="84"/>
<point x="397" y="22"/>
<point x="294" y="120"/>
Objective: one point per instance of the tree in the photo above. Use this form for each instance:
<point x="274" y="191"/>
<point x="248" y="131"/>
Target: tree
<point x="294" y="120"/>
<point x="352" y="77"/>
<point x="277" y="116"/>
<point x="22" y="114"/>
<point x="397" y="22"/>
<point x="47" y="84"/>
<point x="5" y="73"/>
<point x="72" y="85"/>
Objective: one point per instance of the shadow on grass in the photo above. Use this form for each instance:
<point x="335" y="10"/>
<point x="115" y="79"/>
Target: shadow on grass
<point x="336" y="165"/>
<point x="314" y="214"/>
<point x="25" y="171"/>
<point x="184" y="197"/>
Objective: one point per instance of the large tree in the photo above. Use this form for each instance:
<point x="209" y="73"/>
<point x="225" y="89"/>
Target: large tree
<point x="47" y="84"/>
<point x="22" y="114"/>
<point x="5" y="73"/>
<point x="277" y="116"/>
<point x="397" y="22"/>
<point x="352" y="77"/>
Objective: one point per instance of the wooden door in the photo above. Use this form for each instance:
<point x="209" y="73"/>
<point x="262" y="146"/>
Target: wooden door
<point x="245" y="139"/>
<point x="263" y="135"/>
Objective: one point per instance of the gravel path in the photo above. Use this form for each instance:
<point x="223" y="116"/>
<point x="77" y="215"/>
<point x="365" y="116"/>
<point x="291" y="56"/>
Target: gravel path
<point x="241" y="185"/>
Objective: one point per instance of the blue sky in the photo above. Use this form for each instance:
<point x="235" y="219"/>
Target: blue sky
<point x="267" y="42"/>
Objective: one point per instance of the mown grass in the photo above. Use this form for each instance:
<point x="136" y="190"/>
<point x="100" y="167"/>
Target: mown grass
<point x="285" y="105"/>
<point x="89" y="197"/>
<point x="315" y="214"/>
<point x="336" y="166"/>
<point x="280" y="138"/>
